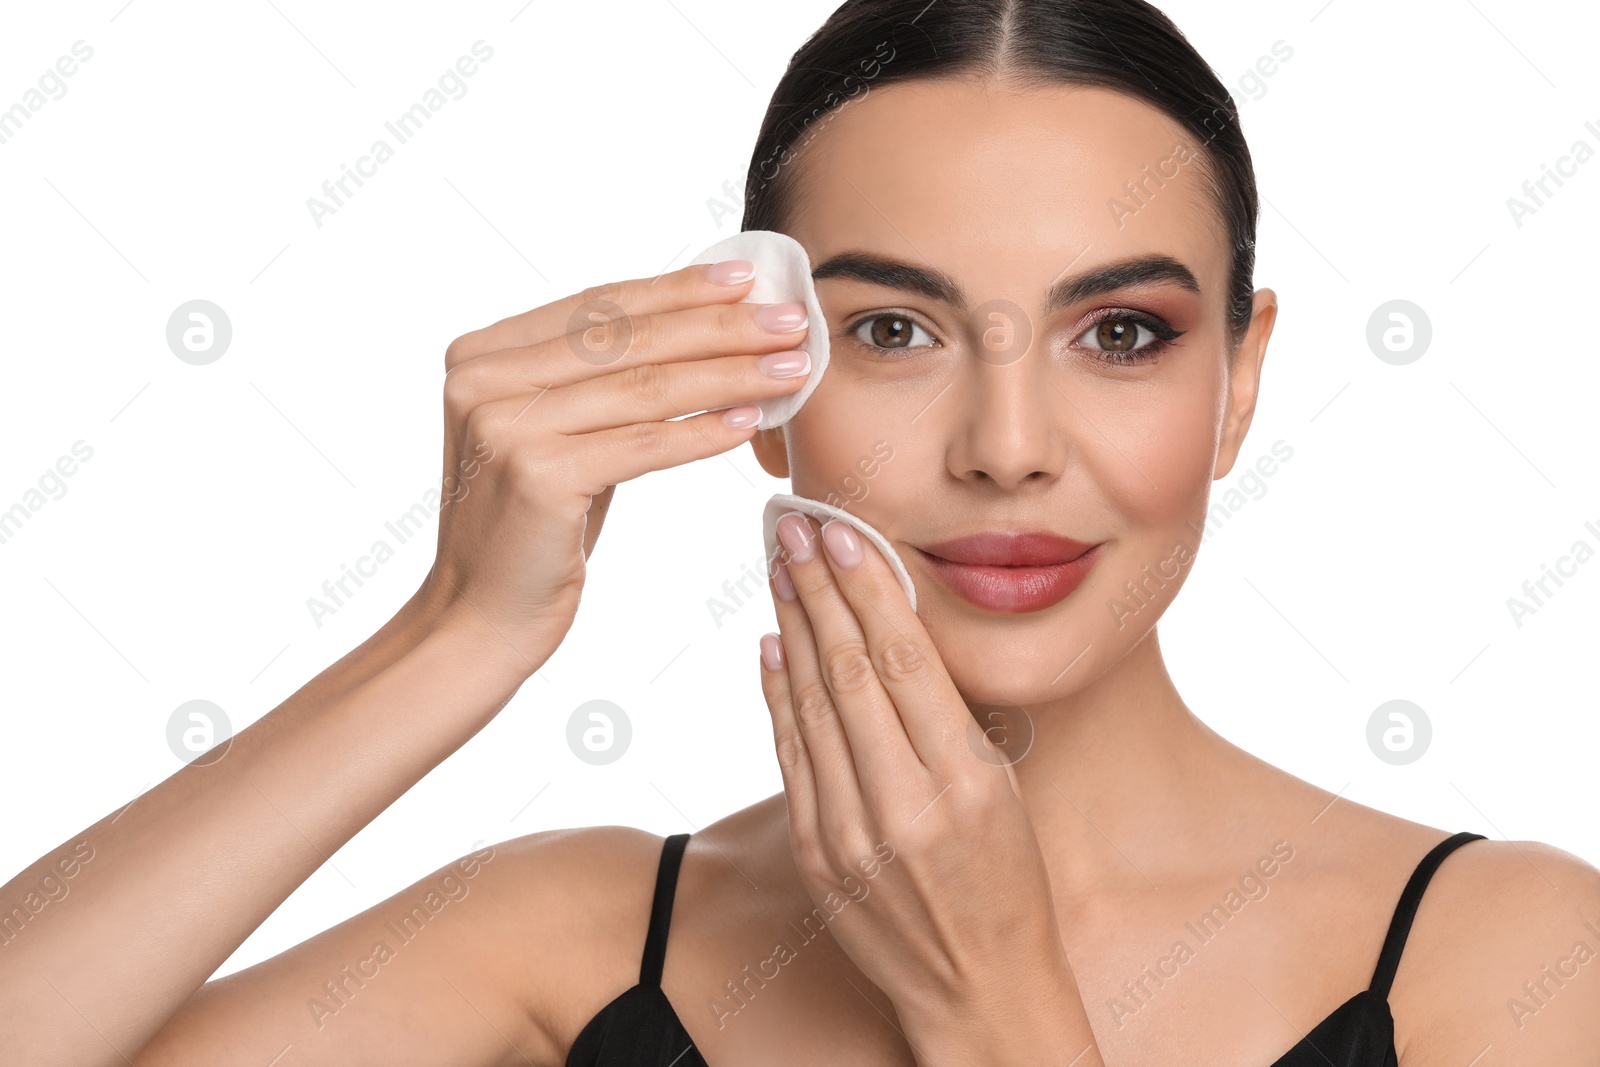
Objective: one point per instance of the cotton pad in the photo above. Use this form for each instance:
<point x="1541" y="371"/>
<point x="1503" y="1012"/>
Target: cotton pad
<point x="783" y="275"/>
<point x="783" y="503"/>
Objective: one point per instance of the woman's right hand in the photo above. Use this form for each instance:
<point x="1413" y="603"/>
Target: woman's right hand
<point x="546" y="412"/>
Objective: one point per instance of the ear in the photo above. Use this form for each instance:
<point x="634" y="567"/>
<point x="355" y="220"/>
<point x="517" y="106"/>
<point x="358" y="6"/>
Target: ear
<point x="1244" y="380"/>
<point x="772" y="451"/>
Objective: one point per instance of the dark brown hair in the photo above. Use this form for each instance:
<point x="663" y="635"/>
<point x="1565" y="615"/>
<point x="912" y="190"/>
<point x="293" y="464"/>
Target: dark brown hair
<point x="1125" y="45"/>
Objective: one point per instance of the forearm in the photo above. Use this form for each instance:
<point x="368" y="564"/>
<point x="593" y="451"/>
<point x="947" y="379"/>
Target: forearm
<point x="164" y="890"/>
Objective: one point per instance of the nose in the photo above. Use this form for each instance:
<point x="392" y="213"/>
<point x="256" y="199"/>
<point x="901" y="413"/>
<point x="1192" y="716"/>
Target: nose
<point x="1009" y="424"/>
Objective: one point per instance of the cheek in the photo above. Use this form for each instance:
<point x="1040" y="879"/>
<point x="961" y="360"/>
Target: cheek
<point x="1153" y="445"/>
<point x="844" y="450"/>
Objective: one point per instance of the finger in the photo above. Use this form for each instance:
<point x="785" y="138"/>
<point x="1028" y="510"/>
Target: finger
<point x="885" y="760"/>
<point x="932" y="712"/>
<point x="604" y="346"/>
<point x="686" y="287"/>
<point x="837" y="789"/>
<point x="588" y="463"/>
<point x="794" y="761"/>
<point x="653" y="392"/>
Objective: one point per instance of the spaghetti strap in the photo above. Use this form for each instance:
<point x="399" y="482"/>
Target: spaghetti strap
<point x="655" y="941"/>
<point x="1395" y="941"/>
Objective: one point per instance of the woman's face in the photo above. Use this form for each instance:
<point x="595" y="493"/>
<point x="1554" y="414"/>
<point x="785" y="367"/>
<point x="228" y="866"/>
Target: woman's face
<point x="977" y="403"/>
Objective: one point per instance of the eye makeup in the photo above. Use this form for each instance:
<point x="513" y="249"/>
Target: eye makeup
<point x="1105" y="327"/>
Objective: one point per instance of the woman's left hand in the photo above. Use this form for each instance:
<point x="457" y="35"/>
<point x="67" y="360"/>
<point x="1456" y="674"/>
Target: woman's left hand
<point x="899" y="802"/>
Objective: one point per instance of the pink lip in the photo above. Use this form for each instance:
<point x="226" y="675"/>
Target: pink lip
<point x="1026" y="548"/>
<point x="1012" y="573"/>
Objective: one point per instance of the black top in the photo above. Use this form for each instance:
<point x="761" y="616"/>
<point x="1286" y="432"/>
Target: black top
<point x="640" y="1028"/>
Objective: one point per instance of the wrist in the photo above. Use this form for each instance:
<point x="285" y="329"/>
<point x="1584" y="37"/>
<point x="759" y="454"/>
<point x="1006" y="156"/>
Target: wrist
<point x="1053" y="1031"/>
<point x="500" y="658"/>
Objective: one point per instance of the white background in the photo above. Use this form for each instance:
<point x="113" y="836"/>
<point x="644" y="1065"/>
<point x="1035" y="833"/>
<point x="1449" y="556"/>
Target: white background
<point x="177" y="565"/>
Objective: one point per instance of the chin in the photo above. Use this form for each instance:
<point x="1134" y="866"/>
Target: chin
<point x="1002" y="672"/>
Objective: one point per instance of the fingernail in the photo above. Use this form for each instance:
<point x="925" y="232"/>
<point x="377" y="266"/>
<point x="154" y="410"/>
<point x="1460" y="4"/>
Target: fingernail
<point x="842" y="543"/>
<point x="783" y="583"/>
<point x="782" y="318"/>
<point x="784" y="364"/>
<point x="795" y="533"/>
<point x="771" y="652"/>
<point x="742" y="416"/>
<point x="731" y="271"/>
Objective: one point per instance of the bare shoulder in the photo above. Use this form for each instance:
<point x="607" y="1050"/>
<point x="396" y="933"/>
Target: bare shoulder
<point x="582" y="909"/>
<point x="578" y="903"/>
<point x="1503" y="958"/>
<point x="493" y="958"/>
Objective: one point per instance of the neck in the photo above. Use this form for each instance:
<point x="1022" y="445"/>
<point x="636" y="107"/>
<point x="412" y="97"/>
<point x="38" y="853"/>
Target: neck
<point x="1118" y="774"/>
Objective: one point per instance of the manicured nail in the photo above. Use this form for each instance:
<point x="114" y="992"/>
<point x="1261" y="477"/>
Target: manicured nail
<point x="742" y="416"/>
<point x="795" y="533"/>
<point x="784" y="364"/>
<point x="782" y="582"/>
<point x="771" y="652"/>
<point x="782" y="318"/>
<point x="842" y="543"/>
<point x="731" y="271"/>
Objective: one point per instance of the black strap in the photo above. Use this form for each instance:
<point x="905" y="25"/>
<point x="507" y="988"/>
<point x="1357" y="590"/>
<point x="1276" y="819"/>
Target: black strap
<point x="655" y="941"/>
<point x="1395" y="941"/>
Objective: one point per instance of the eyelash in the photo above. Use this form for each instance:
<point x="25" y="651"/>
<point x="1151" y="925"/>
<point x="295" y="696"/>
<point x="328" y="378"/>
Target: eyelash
<point x="1164" y="334"/>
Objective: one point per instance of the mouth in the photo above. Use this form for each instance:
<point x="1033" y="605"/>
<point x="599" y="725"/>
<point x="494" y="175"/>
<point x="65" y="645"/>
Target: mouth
<point x="1012" y="573"/>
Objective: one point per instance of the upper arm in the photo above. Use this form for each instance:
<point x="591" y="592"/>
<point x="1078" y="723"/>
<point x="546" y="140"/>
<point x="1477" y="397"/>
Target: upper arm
<point x="1513" y="962"/>
<point x="470" y="965"/>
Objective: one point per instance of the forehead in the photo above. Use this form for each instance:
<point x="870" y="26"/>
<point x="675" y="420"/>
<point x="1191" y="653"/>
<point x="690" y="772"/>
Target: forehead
<point x="1005" y="186"/>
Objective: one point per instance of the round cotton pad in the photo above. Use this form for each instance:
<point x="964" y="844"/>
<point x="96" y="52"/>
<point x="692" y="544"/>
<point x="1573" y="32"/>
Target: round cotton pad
<point x="783" y="274"/>
<point x="782" y="503"/>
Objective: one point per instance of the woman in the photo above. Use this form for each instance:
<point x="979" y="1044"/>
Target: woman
<point x="1003" y="837"/>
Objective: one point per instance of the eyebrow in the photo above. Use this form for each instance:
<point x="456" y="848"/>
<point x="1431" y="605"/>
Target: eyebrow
<point x="937" y="285"/>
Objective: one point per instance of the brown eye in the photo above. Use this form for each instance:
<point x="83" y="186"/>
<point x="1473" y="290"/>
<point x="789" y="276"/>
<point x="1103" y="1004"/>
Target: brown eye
<point x="890" y="331"/>
<point x="1126" y="333"/>
<point x="1117" y="335"/>
<point x="1125" y="337"/>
